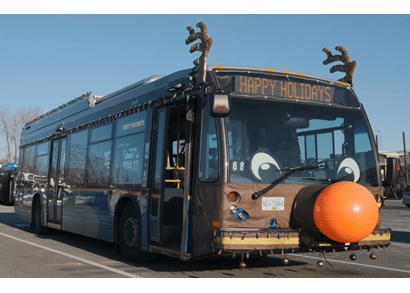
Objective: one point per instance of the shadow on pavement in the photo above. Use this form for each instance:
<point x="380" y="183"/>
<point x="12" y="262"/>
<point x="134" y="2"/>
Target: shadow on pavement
<point x="400" y="236"/>
<point x="160" y="263"/>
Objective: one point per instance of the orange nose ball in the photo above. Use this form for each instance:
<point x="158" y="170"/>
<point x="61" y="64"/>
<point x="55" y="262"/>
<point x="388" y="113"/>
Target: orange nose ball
<point x="345" y="212"/>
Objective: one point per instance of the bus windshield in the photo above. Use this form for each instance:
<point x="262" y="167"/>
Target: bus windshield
<point x="269" y="138"/>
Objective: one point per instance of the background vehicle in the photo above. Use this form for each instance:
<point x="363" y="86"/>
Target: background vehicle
<point x="7" y="183"/>
<point x="406" y="196"/>
<point x="393" y="187"/>
<point x="215" y="160"/>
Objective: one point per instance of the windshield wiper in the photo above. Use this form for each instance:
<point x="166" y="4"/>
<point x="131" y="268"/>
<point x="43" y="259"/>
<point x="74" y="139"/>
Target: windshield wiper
<point x="290" y="172"/>
<point x="322" y="180"/>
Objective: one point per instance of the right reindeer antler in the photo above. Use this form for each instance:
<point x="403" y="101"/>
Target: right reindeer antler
<point x="348" y="66"/>
<point x="203" y="46"/>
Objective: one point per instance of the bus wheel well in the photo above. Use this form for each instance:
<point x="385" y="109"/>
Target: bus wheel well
<point x="37" y="216"/>
<point x="118" y="210"/>
<point x="36" y="196"/>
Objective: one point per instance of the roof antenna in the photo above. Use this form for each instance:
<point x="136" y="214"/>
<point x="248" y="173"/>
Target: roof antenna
<point x="348" y="66"/>
<point x="203" y="47"/>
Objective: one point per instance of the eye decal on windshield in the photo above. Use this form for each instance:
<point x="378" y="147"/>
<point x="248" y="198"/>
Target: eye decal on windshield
<point x="348" y="170"/>
<point x="264" y="167"/>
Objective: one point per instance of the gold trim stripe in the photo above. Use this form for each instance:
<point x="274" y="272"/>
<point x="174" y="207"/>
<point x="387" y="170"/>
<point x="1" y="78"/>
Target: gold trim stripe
<point x="377" y="237"/>
<point x="258" y="241"/>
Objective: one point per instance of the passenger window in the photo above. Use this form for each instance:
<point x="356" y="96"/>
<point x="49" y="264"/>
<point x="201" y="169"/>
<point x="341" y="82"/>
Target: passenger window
<point x="131" y="124"/>
<point x="77" y="158"/>
<point x="127" y="164"/>
<point x="41" y="163"/>
<point x="99" y="163"/>
<point x="101" y="133"/>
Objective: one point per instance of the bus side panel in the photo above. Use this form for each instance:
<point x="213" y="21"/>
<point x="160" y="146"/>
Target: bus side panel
<point x="22" y="211"/>
<point x="205" y="202"/>
<point x="143" y="203"/>
<point x="99" y="215"/>
<point x="73" y="217"/>
<point x="90" y="213"/>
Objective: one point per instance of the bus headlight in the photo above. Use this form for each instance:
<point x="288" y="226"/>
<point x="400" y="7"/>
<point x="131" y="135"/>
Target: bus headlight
<point x="243" y="216"/>
<point x="239" y="213"/>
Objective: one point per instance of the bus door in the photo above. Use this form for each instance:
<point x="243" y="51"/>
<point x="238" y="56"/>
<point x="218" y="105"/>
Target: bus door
<point x="56" y="183"/>
<point x="157" y="184"/>
<point x="167" y="197"/>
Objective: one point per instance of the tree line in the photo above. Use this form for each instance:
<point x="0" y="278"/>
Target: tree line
<point x="12" y="121"/>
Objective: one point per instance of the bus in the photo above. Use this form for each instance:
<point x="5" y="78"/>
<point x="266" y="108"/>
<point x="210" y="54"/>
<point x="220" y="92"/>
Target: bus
<point x="211" y="161"/>
<point x="7" y="183"/>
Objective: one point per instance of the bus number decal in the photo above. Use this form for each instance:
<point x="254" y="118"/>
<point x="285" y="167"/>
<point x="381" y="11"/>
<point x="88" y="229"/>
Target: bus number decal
<point x="235" y="166"/>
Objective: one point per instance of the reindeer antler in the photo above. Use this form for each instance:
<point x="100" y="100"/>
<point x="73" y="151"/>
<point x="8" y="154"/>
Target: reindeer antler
<point x="348" y="66"/>
<point x="203" y="46"/>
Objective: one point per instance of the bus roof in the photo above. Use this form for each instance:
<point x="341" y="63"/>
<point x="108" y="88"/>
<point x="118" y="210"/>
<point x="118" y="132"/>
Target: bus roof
<point x="89" y="108"/>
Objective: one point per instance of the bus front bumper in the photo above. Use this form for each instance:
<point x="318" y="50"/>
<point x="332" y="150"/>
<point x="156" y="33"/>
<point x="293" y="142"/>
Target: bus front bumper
<point x="269" y="241"/>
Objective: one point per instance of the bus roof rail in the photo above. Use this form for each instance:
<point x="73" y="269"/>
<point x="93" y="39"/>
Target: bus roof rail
<point x="88" y="96"/>
<point x="130" y="87"/>
<point x="94" y="100"/>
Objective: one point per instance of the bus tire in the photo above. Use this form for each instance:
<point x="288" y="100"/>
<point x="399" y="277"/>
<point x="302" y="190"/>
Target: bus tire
<point x="37" y="227"/>
<point x="130" y="235"/>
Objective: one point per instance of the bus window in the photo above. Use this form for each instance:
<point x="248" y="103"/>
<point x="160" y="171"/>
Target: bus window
<point x="209" y="148"/>
<point x="361" y="138"/>
<point x="324" y="146"/>
<point x="310" y="148"/>
<point x="131" y="124"/>
<point x="98" y="169"/>
<point x="127" y="164"/>
<point x="77" y="158"/>
<point x="28" y="166"/>
<point x="41" y="163"/>
<point x="101" y="133"/>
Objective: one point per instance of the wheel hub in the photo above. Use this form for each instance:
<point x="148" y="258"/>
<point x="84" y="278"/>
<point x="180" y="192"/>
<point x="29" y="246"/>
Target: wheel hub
<point x="131" y="232"/>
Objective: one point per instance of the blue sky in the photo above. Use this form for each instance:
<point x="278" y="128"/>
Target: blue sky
<point x="47" y="60"/>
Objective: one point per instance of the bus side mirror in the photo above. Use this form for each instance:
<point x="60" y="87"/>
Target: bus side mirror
<point x="392" y="171"/>
<point x="219" y="105"/>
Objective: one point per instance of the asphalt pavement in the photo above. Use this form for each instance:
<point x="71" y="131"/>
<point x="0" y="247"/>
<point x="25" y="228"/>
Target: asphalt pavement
<point x="24" y="254"/>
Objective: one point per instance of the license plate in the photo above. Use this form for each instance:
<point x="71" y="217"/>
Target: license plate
<point x="273" y="203"/>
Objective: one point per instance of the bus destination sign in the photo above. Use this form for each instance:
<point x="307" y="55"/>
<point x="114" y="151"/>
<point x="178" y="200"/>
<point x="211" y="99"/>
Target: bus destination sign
<point x="280" y="88"/>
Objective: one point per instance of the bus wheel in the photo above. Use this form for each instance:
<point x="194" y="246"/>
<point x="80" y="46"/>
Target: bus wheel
<point x="130" y="235"/>
<point x="38" y="228"/>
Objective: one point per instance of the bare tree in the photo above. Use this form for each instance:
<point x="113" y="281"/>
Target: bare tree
<point x="11" y="125"/>
<point x="5" y="114"/>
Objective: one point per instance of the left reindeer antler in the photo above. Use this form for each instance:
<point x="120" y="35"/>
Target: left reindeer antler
<point x="348" y="66"/>
<point x="203" y="46"/>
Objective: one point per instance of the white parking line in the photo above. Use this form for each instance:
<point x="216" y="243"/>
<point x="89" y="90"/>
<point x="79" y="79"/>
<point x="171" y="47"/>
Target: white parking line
<point x="356" y="264"/>
<point x="74" y="257"/>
